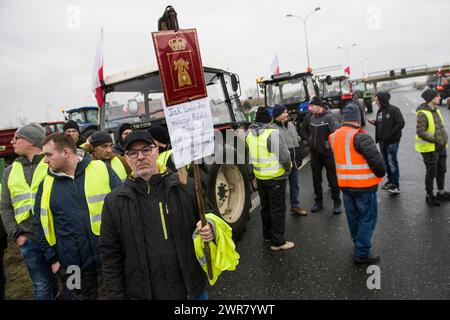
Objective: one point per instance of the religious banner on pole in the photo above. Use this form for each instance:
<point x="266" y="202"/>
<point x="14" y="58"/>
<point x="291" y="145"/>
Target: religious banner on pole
<point x="180" y="65"/>
<point x="187" y="112"/>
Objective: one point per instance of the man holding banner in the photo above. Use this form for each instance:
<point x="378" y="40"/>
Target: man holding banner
<point x="146" y="234"/>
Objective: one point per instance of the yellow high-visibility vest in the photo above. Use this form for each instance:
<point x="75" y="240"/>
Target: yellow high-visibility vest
<point x="266" y="165"/>
<point x="426" y="146"/>
<point x="119" y="168"/>
<point x="224" y="256"/>
<point x="22" y="194"/>
<point x="96" y="188"/>
<point x="162" y="159"/>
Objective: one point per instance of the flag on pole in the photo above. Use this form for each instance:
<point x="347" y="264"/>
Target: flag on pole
<point x="275" y="66"/>
<point x="97" y="72"/>
<point x="347" y="70"/>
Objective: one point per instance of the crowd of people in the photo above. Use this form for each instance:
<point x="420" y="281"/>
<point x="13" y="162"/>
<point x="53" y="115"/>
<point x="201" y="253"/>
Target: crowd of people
<point x="118" y="213"/>
<point x="353" y="163"/>
<point x="113" y="212"/>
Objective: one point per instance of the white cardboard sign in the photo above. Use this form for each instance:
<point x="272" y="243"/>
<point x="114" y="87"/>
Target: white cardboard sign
<point x="191" y="131"/>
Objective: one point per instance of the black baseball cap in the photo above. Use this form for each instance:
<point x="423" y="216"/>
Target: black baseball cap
<point x="138" y="135"/>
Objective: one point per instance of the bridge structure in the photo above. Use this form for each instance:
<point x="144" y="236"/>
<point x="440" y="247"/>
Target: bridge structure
<point x="402" y="73"/>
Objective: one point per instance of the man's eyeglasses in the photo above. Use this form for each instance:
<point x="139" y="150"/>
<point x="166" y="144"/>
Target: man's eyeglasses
<point x="133" y="153"/>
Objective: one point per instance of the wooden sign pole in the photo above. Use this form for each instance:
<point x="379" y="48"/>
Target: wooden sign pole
<point x="201" y="207"/>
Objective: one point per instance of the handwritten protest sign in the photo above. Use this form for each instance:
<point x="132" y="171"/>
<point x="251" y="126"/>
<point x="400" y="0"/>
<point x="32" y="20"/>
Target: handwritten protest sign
<point x="191" y="131"/>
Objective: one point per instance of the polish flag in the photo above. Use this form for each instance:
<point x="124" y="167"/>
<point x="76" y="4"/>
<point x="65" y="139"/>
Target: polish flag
<point x="97" y="72"/>
<point x="275" y="66"/>
<point x="347" y="70"/>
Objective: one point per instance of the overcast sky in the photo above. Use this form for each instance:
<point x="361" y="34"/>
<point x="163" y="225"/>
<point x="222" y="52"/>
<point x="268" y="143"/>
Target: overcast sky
<point x="47" y="48"/>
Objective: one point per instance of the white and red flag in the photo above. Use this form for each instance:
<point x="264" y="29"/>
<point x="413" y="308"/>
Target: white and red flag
<point x="97" y="72"/>
<point x="347" y="70"/>
<point x="275" y="66"/>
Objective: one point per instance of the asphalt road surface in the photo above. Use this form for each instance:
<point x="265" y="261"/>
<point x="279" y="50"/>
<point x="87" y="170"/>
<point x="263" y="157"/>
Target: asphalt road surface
<point x="411" y="238"/>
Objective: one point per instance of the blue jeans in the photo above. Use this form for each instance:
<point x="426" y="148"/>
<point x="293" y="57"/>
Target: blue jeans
<point x="2" y="276"/>
<point x="294" y="188"/>
<point x="362" y="211"/>
<point x="390" y="152"/>
<point x="202" y="296"/>
<point x="39" y="269"/>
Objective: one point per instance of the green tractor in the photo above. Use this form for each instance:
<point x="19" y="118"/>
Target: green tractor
<point x="364" y="91"/>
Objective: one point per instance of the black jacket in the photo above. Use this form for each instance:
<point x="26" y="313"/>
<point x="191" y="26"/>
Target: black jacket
<point x="316" y="129"/>
<point x="3" y="236"/>
<point x="123" y="248"/>
<point x="365" y="145"/>
<point x="389" y="124"/>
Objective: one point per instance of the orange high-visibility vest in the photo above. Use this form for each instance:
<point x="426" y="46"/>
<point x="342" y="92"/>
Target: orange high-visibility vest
<point x="351" y="168"/>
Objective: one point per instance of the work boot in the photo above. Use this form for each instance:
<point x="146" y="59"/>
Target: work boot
<point x="443" y="196"/>
<point x="299" y="211"/>
<point x="431" y="200"/>
<point x="370" y="259"/>
<point x="286" y="246"/>
<point x="317" y="206"/>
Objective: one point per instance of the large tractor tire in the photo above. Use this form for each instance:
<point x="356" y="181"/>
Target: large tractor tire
<point x="228" y="190"/>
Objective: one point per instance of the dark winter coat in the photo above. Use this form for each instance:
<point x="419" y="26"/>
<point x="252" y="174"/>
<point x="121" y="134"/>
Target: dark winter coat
<point x="76" y="244"/>
<point x="389" y="124"/>
<point x="129" y="251"/>
<point x="3" y="236"/>
<point x="316" y="128"/>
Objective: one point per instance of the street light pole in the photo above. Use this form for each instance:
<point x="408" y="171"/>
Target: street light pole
<point x="306" y="33"/>
<point x="347" y="49"/>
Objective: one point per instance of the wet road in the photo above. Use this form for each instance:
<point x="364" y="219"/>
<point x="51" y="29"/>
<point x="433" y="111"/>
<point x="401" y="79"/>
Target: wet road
<point x="411" y="238"/>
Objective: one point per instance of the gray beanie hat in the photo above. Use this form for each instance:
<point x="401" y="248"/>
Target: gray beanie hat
<point x="351" y="112"/>
<point x="429" y="95"/>
<point x="33" y="133"/>
<point x="100" y="137"/>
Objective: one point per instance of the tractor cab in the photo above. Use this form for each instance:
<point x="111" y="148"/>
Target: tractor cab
<point x="337" y="93"/>
<point x="291" y="90"/>
<point x="336" y="90"/>
<point x="443" y="86"/>
<point x="86" y="118"/>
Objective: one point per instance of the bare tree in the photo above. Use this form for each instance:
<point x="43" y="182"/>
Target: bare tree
<point x="251" y="93"/>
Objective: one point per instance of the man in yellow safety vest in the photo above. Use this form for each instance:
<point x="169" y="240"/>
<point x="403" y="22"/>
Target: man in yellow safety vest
<point x="19" y="186"/>
<point x="271" y="165"/>
<point x="432" y="143"/>
<point x="99" y="145"/>
<point x="68" y="210"/>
